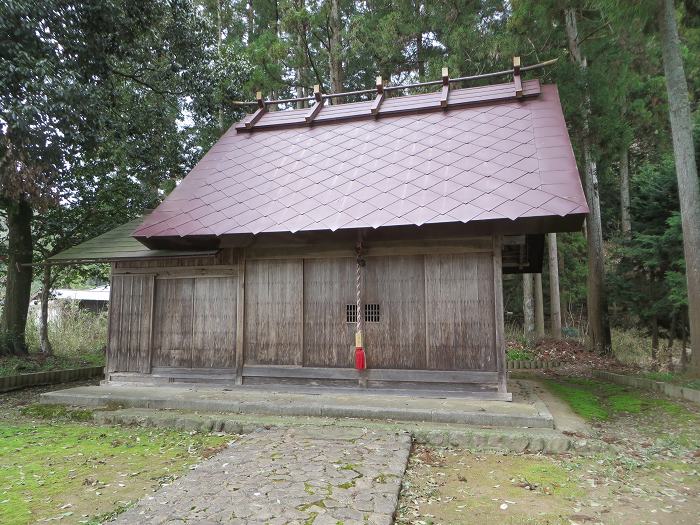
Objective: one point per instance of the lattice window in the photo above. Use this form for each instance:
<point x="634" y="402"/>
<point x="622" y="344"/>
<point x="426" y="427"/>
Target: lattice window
<point x="371" y="313"/>
<point x="351" y="313"/>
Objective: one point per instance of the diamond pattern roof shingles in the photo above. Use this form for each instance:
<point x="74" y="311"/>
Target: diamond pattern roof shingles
<point x="505" y="160"/>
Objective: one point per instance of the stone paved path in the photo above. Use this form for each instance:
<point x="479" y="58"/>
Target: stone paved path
<point x="324" y="476"/>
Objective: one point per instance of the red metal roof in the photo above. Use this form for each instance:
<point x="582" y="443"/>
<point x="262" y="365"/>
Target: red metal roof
<point x="488" y="158"/>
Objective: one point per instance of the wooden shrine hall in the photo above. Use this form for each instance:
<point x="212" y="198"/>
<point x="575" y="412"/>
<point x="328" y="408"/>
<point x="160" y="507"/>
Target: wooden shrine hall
<point x="358" y="244"/>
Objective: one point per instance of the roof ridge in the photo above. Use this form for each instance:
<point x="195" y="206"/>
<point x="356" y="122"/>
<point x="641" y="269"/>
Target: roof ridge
<point x="386" y="106"/>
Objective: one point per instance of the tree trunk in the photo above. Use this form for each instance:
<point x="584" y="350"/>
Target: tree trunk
<point x="597" y="307"/>
<point x="335" y="57"/>
<point x="686" y="169"/>
<point x="302" y="60"/>
<point x="219" y="52"/>
<point x="528" y="307"/>
<point x="654" y="343"/>
<point x="671" y="337"/>
<point x="554" y="298"/>
<point x="19" y="279"/>
<point x="539" y="306"/>
<point x="684" y="347"/>
<point x="46" y="284"/>
<point x="420" y="61"/>
<point x="625" y="220"/>
<point x="250" y="29"/>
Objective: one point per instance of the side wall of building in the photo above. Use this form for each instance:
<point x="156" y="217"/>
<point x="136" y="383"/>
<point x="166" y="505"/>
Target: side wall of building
<point x="258" y="311"/>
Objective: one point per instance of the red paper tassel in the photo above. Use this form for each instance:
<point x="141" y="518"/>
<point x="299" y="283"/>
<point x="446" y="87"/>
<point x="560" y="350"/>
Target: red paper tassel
<point x="360" y="358"/>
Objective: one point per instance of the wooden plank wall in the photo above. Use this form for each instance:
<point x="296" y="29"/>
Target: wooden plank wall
<point x="329" y="286"/>
<point x="438" y="311"/>
<point x="460" y="312"/>
<point x="172" y="327"/>
<point x="397" y="285"/>
<point x="226" y="257"/>
<point x="214" y="323"/>
<point x="130" y="311"/>
<point x="273" y="312"/>
<point x="195" y="322"/>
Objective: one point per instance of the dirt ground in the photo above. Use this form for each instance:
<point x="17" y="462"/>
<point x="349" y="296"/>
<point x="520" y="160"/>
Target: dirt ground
<point x="649" y="475"/>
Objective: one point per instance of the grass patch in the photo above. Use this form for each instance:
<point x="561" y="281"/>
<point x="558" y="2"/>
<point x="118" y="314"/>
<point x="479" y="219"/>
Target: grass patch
<point x="673" y="378"/>
<point x="598" y="400"/>
<point x="72" y="471"/>
<point x="581" y="400"/>
<point x="667" y="377"/>
<point x="15" y="365"/>
<point x="518" y="355"/>
<point x="56" y="412"/>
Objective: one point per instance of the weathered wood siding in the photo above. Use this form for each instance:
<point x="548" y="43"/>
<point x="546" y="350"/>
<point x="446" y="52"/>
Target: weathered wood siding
<point x="273" y="312"/>
<point x="460" y="312"/>
<point x="172" y="326"/>
<point x="214" y="323"/>
<point x="437" y="309"/>
<point x="223" y="258"/>
<point x="329" y="286"/>
<point x="194" y="322"/>
<point x="131" y="300"/>
<point x="397" y="285"/>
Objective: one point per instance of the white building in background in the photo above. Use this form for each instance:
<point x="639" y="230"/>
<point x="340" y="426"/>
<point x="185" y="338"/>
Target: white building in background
<point x="94" y="300"/>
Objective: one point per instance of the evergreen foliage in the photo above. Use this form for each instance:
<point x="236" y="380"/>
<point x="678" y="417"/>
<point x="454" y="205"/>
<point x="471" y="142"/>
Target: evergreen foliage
<point x="105" y="105"/>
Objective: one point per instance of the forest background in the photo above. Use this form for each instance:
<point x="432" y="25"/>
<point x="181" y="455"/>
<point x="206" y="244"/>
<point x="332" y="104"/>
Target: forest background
<point x="106" y="104"/>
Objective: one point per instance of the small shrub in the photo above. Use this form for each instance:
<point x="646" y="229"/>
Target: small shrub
<point x="79" y="335"/>
<point x="632" y="347"/>
<point x="569" y="332"/>
<point x="519" y="355"/>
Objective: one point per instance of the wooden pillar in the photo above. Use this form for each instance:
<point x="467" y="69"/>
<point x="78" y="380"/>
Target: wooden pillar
<point x="109" y="364"/>
<point x="539" y="306"/>
<point x="554" y="298"/>
<point x="528" y="307"/>
<point x="240" y="319"/>
<point x="499" y="337"/>
<point x="151" y="322"/>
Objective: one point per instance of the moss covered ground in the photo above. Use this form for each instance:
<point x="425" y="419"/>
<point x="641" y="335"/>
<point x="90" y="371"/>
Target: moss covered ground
<point x="56" y="465"/>
<point x="599" y="400"/>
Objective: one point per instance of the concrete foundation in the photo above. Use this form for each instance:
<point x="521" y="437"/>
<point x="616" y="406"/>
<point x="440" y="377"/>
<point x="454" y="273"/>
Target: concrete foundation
<point x="526" y="409"/>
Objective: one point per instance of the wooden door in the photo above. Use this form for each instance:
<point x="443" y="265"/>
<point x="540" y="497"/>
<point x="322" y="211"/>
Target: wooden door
<point x="460" y="312"/>
<point x="329" y="287"/>
<point x="273" y="312"/>
<point x="395" y="303"/>
<point x="214" y="322"/>
<point x="130" y="309"/>
<point x="195" y="322"/>
<point x="172" y="327"/>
